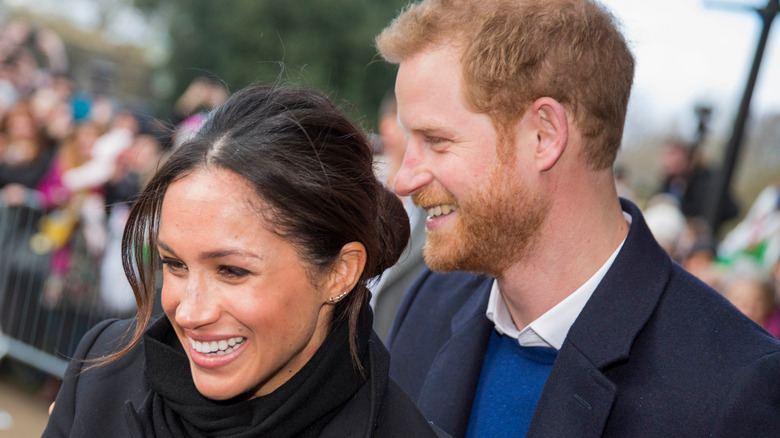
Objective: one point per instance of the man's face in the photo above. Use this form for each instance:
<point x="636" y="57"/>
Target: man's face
<point x="482" y="211"/>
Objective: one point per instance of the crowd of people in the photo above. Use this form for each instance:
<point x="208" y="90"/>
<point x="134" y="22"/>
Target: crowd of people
<point x="744" y="265"/>
<point x="73" y="157"/>
<point x="71" y="160"/>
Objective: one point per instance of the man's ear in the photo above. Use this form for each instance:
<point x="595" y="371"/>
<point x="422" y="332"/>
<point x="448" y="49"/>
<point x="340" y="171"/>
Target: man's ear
<point x="552" y="131"/>
<point x="346" y="271"/>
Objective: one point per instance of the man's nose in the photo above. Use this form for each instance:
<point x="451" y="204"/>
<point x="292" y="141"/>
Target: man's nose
<point x="413" y="173"/>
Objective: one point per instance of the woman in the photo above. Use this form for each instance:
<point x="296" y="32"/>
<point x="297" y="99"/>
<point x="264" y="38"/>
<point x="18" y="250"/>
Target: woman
<point x="268" y="223"/>
<point x="73" y="230"/>
<point x="24" y="156"/>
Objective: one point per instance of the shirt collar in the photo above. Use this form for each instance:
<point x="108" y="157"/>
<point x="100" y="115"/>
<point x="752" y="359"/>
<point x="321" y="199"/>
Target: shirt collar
<point x="550" y="329"/>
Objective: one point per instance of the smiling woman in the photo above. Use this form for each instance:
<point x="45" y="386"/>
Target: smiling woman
<point x="268" y="224"/>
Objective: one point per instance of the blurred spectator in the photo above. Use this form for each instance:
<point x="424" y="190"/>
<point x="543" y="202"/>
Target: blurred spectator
<point x="72" y="154"/>
<point x="51" y="46"/>
<point x="134" y="168"/>
<point x="688" y="179"/>
<point x="699" y="260"/>
<point x="24" y="157"/>
<point x="666" y="221"/>
<point x="750" y="292"/>
<point x="53" y="109"/>
<point x="68" y="207"/>
<point x="102" y="166"/>
<point x="19" y="45"/>
<point x="200" y="97"/>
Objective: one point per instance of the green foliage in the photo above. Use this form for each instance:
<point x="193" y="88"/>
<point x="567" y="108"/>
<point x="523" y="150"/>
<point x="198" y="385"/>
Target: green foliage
<point x="327" y="44"/>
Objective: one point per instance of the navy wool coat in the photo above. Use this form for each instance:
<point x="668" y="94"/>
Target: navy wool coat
<point x="654" y="352"/>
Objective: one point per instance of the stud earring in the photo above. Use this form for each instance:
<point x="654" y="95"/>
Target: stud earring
<point x="336" y="299"/>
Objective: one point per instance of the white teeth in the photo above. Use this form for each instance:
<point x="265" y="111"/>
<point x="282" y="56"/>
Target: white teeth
<point x="217" y="347"/>
<point x="441" y="210"/>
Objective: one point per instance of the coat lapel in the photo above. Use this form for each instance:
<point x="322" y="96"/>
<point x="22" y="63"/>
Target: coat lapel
<point x="457" y="365"/>
<point x="578" y="397"/>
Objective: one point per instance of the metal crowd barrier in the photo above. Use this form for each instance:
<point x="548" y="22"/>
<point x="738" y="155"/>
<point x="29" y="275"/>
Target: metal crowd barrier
<point x="42" y="318"/>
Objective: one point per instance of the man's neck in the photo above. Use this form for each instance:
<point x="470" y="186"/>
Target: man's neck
<point x="575" y="242"/>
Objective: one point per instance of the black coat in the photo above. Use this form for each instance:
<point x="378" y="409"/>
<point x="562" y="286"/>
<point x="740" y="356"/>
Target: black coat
<point x="654" y="353"/>
<point x="95" y="403"/>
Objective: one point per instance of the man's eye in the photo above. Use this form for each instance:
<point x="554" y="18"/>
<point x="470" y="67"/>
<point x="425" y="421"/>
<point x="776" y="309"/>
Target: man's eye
<point x="232" y="272"/>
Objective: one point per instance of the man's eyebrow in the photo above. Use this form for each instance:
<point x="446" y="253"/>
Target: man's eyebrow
<point x="424" y="127"/>
<point x="429" y="128"/>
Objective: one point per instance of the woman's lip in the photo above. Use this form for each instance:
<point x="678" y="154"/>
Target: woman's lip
<point x="213" y="361"/>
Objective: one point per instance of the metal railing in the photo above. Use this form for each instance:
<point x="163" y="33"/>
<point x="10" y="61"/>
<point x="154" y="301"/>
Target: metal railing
<point x="44" y="312"/>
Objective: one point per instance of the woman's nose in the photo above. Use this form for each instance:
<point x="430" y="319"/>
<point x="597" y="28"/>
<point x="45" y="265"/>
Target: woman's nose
<point x="197" y="305"/>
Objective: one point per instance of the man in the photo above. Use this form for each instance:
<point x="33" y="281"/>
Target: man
<point x="386" y="294"/>
<point x="580" y="324"/>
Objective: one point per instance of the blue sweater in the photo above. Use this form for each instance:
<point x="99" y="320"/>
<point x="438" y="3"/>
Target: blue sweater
<point x="509" y="386"/>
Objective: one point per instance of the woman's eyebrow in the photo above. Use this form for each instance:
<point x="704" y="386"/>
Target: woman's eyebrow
<point x="228" y="252"/>
<point x="164" y="246"/>
<point x="212" y="254"/>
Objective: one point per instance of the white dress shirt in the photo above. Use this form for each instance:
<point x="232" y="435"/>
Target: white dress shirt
<point x="550" y="329"/>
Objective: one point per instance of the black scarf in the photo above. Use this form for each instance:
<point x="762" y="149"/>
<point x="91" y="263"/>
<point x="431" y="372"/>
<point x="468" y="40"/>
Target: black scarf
<point x="299" y="408"/>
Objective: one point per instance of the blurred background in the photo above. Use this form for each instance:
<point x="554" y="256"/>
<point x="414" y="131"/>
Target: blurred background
<point x="94" y="93"/>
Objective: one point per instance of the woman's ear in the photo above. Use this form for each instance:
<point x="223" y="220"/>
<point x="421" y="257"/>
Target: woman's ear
<point x="346" y="271"/>
<point x="552" y="132"/>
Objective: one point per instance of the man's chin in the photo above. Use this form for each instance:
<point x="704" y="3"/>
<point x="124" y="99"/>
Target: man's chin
<point x="440" y="255"/>
<point x="446" y="257"/>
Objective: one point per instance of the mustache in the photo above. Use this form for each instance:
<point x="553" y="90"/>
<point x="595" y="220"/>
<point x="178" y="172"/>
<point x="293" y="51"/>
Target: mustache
<point x="430" y="197"/>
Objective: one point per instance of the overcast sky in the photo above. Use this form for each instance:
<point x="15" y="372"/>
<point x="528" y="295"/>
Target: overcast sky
<point x="690" y="52"/>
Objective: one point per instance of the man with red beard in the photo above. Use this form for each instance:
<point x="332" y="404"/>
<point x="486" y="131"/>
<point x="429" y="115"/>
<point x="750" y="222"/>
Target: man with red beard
<point x="566" y="318"/>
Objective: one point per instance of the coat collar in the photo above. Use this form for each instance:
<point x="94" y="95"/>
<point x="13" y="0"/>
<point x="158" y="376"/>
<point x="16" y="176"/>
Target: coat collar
<point x="603" y="335"/>
<point x="625" y="298"/>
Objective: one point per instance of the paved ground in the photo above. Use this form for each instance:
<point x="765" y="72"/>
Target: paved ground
<point x="24" y="405"/>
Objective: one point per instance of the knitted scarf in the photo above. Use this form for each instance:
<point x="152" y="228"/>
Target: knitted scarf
<point x="301" y="407"/>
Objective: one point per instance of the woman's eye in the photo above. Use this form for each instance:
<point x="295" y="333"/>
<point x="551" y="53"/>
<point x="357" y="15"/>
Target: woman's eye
<point x="174" y="266"/>
<point x="232" y="272"/>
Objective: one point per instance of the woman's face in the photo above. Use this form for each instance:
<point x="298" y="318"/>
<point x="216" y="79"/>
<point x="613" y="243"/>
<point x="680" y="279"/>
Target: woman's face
<point x="21" y="127"/>
<point x="239" y="297"/>
<point x="86" y="136"/>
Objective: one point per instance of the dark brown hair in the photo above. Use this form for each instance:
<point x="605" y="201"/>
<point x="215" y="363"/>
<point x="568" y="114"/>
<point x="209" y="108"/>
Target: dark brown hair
<point x="309" y="164"/>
